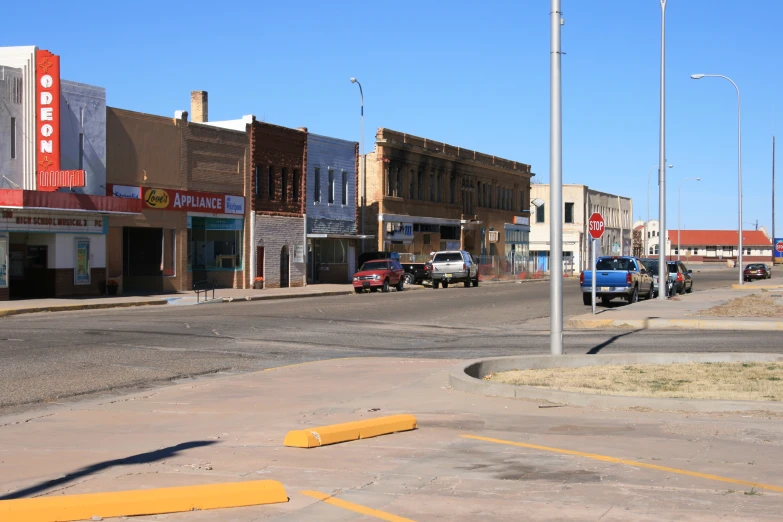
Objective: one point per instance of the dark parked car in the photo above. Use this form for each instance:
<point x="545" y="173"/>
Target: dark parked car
<point x="652" y="269"/>
<point x="371" y="256"/>
<point x="680" y="277"/>
<point x="756" y="271"/>
<point x="416" y="273"/>
<point x="380" y="273"/>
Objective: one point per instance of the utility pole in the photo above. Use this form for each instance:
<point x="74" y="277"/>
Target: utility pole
<point x="663" y="268"/>
<point x="556" y="185"/>
<point x="773" y="202"/>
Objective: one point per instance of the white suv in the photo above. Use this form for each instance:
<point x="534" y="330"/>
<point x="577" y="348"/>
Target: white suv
<point x="454" y="266"/>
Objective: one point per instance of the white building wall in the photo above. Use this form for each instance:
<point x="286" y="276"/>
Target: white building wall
<point x="65" y="250"/>
<point x="23" y="58"/>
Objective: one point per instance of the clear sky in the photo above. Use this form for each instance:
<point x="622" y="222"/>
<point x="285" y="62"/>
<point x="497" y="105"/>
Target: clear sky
<point x="473" y="74"/>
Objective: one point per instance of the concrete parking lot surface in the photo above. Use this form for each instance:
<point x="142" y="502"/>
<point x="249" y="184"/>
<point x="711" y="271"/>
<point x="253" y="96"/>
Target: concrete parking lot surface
<point x="471" y="457"/>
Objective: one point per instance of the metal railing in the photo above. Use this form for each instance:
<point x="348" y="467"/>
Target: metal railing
<point x="204" y="287"/>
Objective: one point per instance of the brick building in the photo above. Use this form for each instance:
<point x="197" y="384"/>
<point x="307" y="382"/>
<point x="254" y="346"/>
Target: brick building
<point x="191" y="179"/>
<point x="278" y="159"/>
<point x="424" y="195"/>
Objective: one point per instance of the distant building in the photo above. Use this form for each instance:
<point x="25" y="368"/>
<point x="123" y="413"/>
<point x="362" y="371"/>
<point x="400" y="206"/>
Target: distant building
<point x="425" y="195"/>
<point x="579" y="202"/>
<point x="709" y="245"/>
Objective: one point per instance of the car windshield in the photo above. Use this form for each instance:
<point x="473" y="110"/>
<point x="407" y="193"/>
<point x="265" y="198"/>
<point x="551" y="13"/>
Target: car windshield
<point x="447" y="257"/>
<point x="754" y="267"/>
<point x="614" y="264"/>
<point x="652" y="266"/>
<point x="374" y="265"/>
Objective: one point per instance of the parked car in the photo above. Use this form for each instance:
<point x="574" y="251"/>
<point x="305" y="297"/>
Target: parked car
<point x="756" y="271"/>
<point x="652" y="270"/>
<point x="379" y="273"/>
<point x="617" y="276"/>
<point x="453" y="266"/>
<point x="416" y="273"/>
<point x="374" y="256"/>
<point x="681" y="277"/>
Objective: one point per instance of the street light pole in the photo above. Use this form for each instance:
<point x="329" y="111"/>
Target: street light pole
<point x="556" y="185"/>
<point x="739" y="163"/>
<point x="646" y="238"/>
<point x="364" y="162"/>
<point x="679" y="199"/>
<point x="663" y="274"/>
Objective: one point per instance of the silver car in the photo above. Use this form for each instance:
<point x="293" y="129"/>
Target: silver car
<point x="454" y="266"/>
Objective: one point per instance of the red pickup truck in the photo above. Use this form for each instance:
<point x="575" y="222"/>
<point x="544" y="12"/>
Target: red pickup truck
<point x="381" y="273"/>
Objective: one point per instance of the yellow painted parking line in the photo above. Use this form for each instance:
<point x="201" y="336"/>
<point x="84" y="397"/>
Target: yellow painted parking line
<point x="143" y="502"/>
<point x="615" y="460"/>
<point x="348" y="431"/>
<point x="356" y="508"/>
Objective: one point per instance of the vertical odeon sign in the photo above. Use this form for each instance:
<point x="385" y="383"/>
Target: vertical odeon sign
<point x="48" y="111"/>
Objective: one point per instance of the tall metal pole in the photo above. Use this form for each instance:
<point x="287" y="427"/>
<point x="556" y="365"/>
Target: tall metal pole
<point x="663" y="270"/>
<point x="363" y="165"/>
<point x="556" y="185"/>
<point x="595" y="247"/>
<point x="773" y="202"/>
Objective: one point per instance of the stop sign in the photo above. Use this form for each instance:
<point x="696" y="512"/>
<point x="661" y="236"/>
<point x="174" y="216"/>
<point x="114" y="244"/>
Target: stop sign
<point x="596" y="225"/>
<point x="779" y="247"/>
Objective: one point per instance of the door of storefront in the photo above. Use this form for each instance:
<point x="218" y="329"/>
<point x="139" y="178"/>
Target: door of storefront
<point x="141" y="263"/>
<point x="28" y="272"/>
<point x="284" y="279"/>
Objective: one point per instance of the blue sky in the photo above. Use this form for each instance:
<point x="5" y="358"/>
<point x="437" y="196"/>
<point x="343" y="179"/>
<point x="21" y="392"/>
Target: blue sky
<point x="470" y="74"/>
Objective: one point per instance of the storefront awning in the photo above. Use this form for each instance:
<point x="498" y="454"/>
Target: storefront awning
<point x="36" y="200"/>
<point x="340" y="236"/>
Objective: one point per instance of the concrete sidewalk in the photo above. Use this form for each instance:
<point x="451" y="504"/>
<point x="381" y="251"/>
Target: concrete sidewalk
<point x="679" y="312"/>
<point x="471" y="457"/>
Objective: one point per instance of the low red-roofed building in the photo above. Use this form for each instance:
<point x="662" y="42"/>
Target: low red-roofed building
<point x="720" y="245"/>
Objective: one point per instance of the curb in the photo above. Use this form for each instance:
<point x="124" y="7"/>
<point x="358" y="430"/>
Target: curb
<point x="142" y="502"/>
<point x="72" y="308"/>
<point x="756" y="287"/>
<point x="348" y="431"/>
<point x="467" y="377"/>
<point x="683" y="324"/>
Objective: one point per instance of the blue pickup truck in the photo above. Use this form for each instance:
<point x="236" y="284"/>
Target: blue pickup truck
<point x="617" y="276"/>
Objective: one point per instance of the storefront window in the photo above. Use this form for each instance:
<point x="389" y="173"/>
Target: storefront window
<point x="169" y="252"/>
<point x="214" y="243"/>
<point x="3" y="262"/>
<point x="334" y="251"/>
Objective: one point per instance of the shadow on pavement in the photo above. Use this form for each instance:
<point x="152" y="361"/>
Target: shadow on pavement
<point x="142" y="458"/>
<point x="609" y="341"/>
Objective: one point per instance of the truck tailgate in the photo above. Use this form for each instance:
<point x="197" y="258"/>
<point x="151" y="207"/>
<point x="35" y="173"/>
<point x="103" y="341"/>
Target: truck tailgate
<point x="606" y="278"/>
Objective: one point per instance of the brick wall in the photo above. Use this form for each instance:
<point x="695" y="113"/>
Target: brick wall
<point x="64" y="286"/>
<point x="4" y="294"/>
<point x="272" y="233"/>
<point x="277" y="148"/>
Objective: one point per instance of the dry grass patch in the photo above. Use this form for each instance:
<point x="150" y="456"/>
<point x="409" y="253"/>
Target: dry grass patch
<point x="753" y="305"/>
<point x="728" y="381"/>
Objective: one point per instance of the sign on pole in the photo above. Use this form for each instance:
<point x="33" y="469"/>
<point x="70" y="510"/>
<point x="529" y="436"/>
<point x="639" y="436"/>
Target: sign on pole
<point x="596" y="227"/>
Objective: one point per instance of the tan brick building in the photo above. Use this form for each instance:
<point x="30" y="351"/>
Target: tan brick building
<point x="192" y="180"/>
<point x="425" y="195"/>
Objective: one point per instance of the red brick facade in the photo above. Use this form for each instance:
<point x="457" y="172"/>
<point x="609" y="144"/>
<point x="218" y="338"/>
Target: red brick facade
<point x="64" y="287"/>
<point x="273" y="149"/>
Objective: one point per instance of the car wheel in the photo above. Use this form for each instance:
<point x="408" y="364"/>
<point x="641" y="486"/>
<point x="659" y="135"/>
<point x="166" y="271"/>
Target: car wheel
<point x="649" y="294"/>
<point x="435" y="285"/>
<point x="587" y="299"/>
<point x="445" y="284"/>
<point x="373" y="290"/>
<point x="634" y="297"/>
<point x="466" y="283"/>
<point x="385" y="287"/>
<point x="400" y="285"/>
<point x="475" y="281"/>
<point x="690" y="288"/>
<point x="409" y="279"/>
<point x="682" y="289"/>
<point x="358" y="290"/>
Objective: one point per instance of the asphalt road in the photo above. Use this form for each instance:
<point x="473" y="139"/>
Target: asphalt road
<point x="62" y="356"/>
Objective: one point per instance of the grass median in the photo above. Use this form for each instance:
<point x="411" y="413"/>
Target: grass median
<point x="723" y="381"/>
